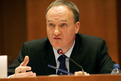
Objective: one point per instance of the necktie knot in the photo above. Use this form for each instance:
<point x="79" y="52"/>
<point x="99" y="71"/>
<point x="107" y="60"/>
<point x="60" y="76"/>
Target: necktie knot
<point x="62" y="59"/>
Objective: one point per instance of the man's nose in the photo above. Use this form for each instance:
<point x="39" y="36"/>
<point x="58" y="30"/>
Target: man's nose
<point x="57" y="31"/>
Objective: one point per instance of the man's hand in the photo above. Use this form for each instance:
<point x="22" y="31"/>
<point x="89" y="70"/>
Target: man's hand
<point x="80" y="73"/>
<point x="23" y="70"/>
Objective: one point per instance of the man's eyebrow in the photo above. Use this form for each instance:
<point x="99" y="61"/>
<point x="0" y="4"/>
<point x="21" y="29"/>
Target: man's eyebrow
<point x="64" y="20"/>
<point x="52" y="21"/>
<point x="49" y="20"/>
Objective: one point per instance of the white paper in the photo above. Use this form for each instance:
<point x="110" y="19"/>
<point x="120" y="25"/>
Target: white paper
<point x="3" y="66"/>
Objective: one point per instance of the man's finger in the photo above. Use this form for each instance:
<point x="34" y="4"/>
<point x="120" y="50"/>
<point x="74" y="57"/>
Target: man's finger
<point x="21" y="75"/>
<point x="22" y="69"/>
<point x="25" y="62"/>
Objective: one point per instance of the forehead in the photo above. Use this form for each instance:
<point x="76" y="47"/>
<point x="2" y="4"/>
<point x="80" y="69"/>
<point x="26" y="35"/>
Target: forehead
<point x="59" y="11"/>
<point x="59" y="8"/>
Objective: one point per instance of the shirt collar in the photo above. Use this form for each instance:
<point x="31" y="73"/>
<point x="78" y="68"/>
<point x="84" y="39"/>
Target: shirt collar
<point x="68" y="53"/>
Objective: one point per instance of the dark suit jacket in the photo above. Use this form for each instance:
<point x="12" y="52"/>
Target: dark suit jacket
<point x="89" y="51"/>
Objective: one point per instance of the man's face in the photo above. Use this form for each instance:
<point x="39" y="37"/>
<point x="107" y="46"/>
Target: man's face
<point x="61" y="28"/>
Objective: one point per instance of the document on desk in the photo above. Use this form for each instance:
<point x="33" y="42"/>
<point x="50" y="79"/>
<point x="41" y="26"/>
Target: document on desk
<point x="3" y="66"/>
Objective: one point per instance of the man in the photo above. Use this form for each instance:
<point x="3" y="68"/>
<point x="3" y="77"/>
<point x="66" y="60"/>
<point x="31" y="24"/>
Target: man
<point x="62" y="19"/>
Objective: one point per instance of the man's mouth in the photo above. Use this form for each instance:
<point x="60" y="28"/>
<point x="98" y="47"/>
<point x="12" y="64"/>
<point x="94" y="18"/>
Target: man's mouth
<point x="57" y="38"/>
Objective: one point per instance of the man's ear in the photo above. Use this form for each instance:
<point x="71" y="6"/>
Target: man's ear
<point x="77" y="26"/>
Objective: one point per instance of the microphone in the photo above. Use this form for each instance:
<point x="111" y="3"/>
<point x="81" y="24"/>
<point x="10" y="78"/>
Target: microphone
<point x="60" y="51"/>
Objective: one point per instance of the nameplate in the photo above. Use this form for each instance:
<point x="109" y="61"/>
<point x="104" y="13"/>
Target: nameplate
<point x="3" y="66"/>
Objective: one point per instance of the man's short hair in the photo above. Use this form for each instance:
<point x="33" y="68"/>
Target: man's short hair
<point x="69" y="5"/>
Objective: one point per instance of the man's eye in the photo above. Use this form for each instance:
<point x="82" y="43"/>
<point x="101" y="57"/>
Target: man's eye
<point x="51" y="25"/>
<point x="63" y="25"/>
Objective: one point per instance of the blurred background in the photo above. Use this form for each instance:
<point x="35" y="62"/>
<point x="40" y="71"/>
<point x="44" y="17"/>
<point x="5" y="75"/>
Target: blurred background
<point x="24" y="20"/>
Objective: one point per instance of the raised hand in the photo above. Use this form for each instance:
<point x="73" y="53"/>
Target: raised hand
<point x="23" y="70"/>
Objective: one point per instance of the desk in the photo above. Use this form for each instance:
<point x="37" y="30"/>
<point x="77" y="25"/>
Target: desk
<point x="103" y="77"/>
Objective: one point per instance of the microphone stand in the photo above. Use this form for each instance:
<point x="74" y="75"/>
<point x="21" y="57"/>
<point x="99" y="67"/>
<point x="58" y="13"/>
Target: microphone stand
<point x="60" y="51"/>
<point x="75" y="63"/>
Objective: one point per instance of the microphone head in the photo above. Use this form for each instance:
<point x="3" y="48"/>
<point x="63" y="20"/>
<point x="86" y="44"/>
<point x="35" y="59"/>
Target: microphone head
<point x="60" y="51"/>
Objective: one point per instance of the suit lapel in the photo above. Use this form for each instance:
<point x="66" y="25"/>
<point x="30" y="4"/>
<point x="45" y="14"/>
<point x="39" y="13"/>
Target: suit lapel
<point x="50" y="59"/>
<point x="75" y="55"/>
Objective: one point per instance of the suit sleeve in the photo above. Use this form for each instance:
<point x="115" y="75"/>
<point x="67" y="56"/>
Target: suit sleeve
<point x="104" y="61"/>
<point x="17" y="62"/>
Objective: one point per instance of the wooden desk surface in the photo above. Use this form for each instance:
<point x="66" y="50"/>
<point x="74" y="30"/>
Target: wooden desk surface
<point x="103" y="77"/>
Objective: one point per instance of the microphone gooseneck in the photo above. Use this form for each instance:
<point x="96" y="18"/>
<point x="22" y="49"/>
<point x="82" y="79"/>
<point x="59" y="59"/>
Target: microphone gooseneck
<point x="60" y="51"/>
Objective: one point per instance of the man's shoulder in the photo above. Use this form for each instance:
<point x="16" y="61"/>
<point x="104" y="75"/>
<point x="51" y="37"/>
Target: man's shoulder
<point x="37" y="42"/>
<point x="89" y="37"/>
<point x="89" y="40"/>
